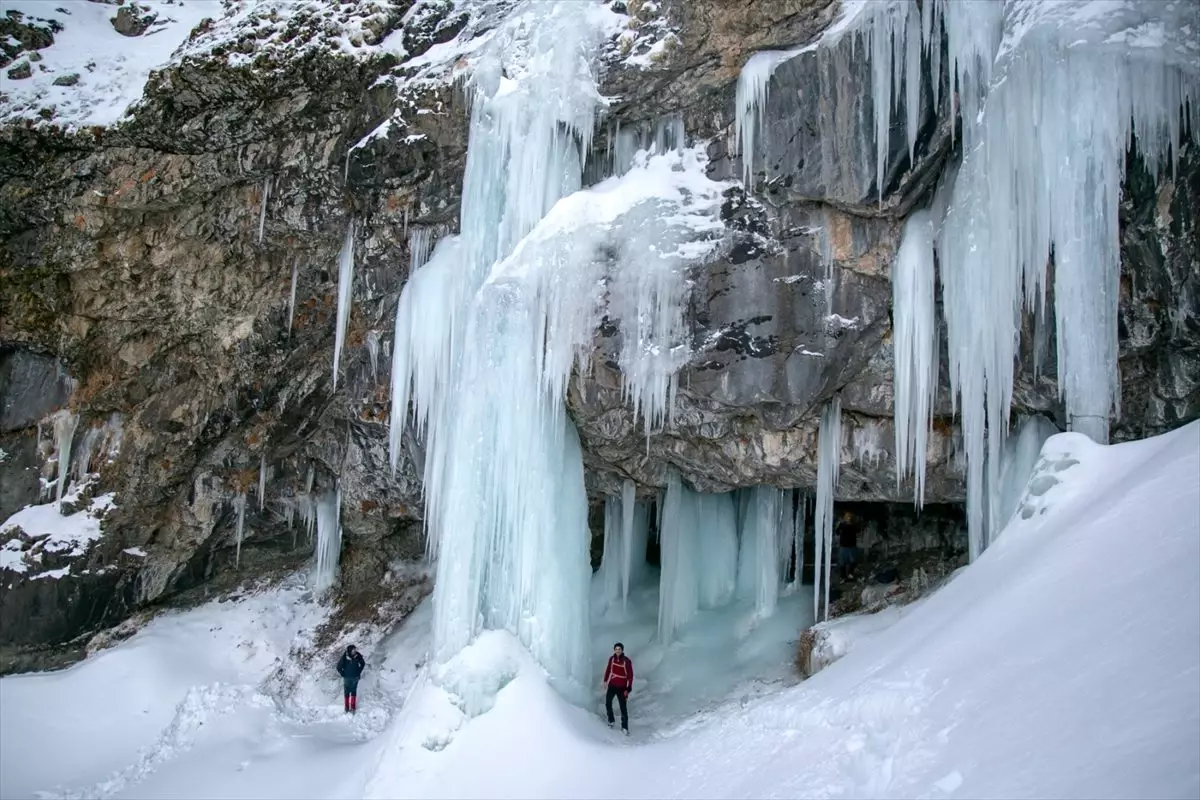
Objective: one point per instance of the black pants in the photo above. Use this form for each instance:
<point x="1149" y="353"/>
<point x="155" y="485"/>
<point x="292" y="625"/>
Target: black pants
<point x="619" y="693"/>
<point x="350" y="686"/>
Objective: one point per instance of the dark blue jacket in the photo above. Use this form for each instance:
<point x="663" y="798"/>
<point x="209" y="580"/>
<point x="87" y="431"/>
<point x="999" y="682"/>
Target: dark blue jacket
<point x="351" y="667"/>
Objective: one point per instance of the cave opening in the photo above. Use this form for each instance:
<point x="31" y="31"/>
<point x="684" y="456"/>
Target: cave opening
<point x="729" y="645"/>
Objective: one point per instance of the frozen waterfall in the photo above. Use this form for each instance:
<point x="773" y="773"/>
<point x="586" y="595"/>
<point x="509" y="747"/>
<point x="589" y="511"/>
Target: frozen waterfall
<point x="345" y="297"/>
<point x="488" y="330"/>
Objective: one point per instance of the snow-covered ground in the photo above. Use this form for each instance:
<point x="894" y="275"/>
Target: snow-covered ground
<point x="49" y="531"/>
<point x="110" y="69"/>
<point x="1064" y="662"/>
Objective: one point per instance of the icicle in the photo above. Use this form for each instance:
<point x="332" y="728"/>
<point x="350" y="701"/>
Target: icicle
<point x="292" y="296"/>
<point x="262" y="213"/>
<point x="628" y="507"/>
<point x="262" y="481"/>
<point x="84" y="452"/>
<point x="679" y="596"/>
<point x="758" y="556"/>
<point x="329" y="541"/>
<point x="239" y="507"/>
<point x="751" y="102"/>
<point x="373" y="352"/>
<point x="829" y="455"/>
<point x="420" y="244"/>
<point x="799" y="523"/>
<point x="64" y="434"/>
<point x="914" y="349"/>
<point x="344" y="297"/>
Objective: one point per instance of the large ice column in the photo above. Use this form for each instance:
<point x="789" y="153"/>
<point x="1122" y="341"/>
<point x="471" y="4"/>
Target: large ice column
<point x="329" y="540"/>
<point x="759" y="552"/>
<point x="679" y="596"/>
<point x="915" y="349"/>
<point x="712" y="517"/>
<point x="506" y="505"/>
<point x="829" y="455"/>
<point x="344" y="297"/>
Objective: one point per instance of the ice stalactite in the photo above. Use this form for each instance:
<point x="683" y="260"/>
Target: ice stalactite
<point x="329" y="540"/>
<point x="262" y="212"/>
<point x="239" y="529"/>
<point x="612" y="559"/>
<point x="344" y="297"/>
<point x="624" y="142"/>
<point x="829" y="455"/>
<point x="65" y="422"/>
<point x="679" y="596"/>
<point x="799" y="526"/>
<point x="1052" y="98"/>
<point x="263" y="476"/>
<point x="629" y="548"/>
<point x="713" y="519"/>
<point x="758" y="573"/>
<point x="292" y="296"/>
<point x="915" y="349"/>
<point x="372" y="341"/>
<point x="750" y="103"/>
<point x="420" y="245"/>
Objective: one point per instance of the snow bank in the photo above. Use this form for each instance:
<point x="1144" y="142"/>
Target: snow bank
<point x="47" y="530"/>
<point x="1062" y="662"/>
<point x="198" y="703"/>
<point x="111" y="69"/>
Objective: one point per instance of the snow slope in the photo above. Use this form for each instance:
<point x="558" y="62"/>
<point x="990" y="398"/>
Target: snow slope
<point x="1064" y="662"/>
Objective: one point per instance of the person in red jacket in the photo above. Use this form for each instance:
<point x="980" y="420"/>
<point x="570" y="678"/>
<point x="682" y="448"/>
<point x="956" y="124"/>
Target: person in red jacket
<point x="618" y="681"/>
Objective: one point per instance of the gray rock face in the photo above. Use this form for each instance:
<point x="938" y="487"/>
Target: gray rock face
<point x="31" y="386"/>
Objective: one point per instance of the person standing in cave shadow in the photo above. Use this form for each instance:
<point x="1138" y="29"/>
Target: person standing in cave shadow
<point x="350" y="666"/>
<point x="848" y="528"/>
<point x="618" y="683"/>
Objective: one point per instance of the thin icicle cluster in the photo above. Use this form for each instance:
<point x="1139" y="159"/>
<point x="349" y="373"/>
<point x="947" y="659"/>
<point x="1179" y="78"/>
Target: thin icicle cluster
<point x="329" y="540"/>
<point x="624" y="142"/>
<point x="1050" y="95"/>
<point x="344" y="297"/>
<point x="915" y="349"/>
<point x="829" y="455"/>
<point x="762" y="530"/>
<point x="718" y="547"/>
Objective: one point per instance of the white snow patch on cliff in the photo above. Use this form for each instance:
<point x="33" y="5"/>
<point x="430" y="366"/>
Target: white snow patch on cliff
<point x="112" y="69"/>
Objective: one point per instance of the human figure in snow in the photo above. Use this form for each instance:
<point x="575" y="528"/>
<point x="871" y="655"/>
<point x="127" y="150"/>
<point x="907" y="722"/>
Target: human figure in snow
<point x="618" y="683"/>
<point x="848" y="528"/>
<point x="350" y="667"/>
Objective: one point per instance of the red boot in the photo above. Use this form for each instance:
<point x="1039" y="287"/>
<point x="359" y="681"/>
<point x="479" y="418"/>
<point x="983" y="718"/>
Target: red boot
<point x="346" y="700"/>
<point x="353" y="704"/>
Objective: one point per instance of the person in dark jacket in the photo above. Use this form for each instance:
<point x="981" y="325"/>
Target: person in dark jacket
<point x="350" y="667"/>
<point x="618" y="683"/>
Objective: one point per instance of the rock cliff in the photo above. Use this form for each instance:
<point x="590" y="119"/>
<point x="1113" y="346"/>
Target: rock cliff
<point x="175" y="269"/>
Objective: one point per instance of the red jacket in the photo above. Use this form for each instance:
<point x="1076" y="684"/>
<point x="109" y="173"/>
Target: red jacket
<point x="619" y="672"/>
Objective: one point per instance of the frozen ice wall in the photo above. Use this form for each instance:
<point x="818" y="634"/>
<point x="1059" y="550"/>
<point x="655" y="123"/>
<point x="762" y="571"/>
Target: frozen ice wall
<point x="510" y="304"/>
<point x="329" y="540"/>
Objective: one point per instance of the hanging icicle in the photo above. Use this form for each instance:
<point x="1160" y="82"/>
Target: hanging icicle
<point x="829" y="455"/>
<point x="344" y="297"/>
